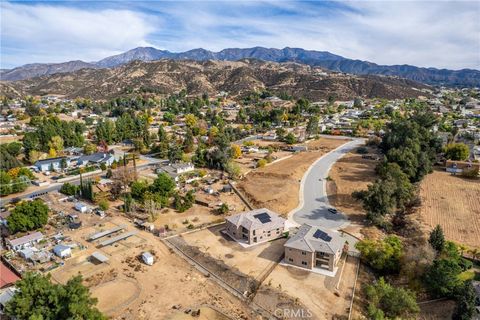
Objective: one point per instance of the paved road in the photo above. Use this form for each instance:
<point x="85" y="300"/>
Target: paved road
<point x="314" y="205"/>
<point x="56" y="186"/>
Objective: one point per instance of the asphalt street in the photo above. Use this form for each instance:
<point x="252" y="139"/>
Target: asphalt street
<point x="314" y="205"/>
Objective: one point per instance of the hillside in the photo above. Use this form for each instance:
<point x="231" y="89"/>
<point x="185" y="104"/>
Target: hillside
<point x="237" y="78"/>
<point x="324" y="59"/>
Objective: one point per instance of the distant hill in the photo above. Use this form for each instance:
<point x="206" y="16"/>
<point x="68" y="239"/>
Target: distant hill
<point x="40" y="69"/>
<point x="327" y="60"/>
<point x="197" y="77"/>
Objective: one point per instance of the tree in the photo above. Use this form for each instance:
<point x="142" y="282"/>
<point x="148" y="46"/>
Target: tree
<point x="163" y="185"/>
<point x="188" y="143"/>
<point x="387" y="301"/>
<point x="466" y="296"/>
<point x="38" y="298"/>
<point x="190" y="120"/>
<point x="69" y="189"/>
<point x="103" y="205"/>
<point x="236" y="151"/>
<point x="233" y="169"/>
<point x="457" y="151"/>
<point x="441" y="278"/>
<point x="89" y="148"/>
<point x="382" y="255"/>
<point x="56" y="143"/>
<point x="290" y="138"/>
<point x="437" y="239"/>
<point x="261" y="163"/>
<point x="5" y="183"/>
<point x="28" y="215"/>
<point x="138" y="189"/>
<point x="312" y="125"/>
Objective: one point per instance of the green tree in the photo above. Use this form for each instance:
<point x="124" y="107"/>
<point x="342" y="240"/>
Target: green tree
<point x="69" y="189"/>
<point x="138" y="189"/>
<point x="382" y="255"/>
<point x="312" y="126"/>
<point x="28" y="215"/>
<point x="5" y="183"/>
<point x="290" y="138"/>
<point x="38" y="298"/>
<point x="386" y="301"/>
<point x="465" y="296"/>
<point x="437" y="239"/>
<point x="441" y="278"/>
<point x="163" y="185"/>
<point x="457" y="151"/>
<point x="103" y="205"/>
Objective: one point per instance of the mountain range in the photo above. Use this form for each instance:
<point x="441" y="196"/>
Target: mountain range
<point x="238" y="78"/>
<point x="326" y="60"/>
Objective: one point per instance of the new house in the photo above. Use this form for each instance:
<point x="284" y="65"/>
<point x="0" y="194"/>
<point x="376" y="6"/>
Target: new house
<point x="255" y="226"/>
<point x="52" y="164"/>
<point x="314" y="247"/>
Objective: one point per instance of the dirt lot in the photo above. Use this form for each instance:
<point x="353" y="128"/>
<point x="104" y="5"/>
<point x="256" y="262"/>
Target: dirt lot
<point x="128" y="289"/>
<point x="316" y="292"/>
<point x="252" y="261"/>
<point x="453" y="202"/>
<point x="348" y="174"/>
<point x="276" y="186"/>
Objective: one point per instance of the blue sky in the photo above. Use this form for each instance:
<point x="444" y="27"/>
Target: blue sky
<point x="440" y="34"/>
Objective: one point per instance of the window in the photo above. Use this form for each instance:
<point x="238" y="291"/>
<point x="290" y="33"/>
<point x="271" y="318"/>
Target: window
<point x="304" y="263"/>
<point x="253" y="232"/>
<point x="304" y="253"/>
<point x="290" y="259"/>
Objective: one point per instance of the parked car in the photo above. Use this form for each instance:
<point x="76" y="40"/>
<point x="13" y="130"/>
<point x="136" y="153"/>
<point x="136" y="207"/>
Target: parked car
<point x="333" y="210"/>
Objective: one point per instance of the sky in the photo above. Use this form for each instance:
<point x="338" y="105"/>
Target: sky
<point x="441" y="34"/>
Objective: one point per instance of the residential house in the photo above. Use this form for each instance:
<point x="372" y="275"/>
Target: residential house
<point x="255" y="226"/>
<point x="314" y="247"/>
<point x="176" y="169"/>
<point x="96" y="158"/>
<point x="52" y="164"/>
<point x="25" y="241"/>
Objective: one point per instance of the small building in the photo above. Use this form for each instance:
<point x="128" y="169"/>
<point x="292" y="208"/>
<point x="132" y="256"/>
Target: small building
<point x="5" y="297"/>
<point x="255" y="226"/>
<point x="96" y="158"/>
<point x="176" y="169"/>
<point x="80" y="206"/>
<point x="98" y="257"/>
<point x="147" y="258"/>
<point x="7" y="276"/>
<point x="52" y="164"/>
<point x="25" y="241"/>
<point x="62" y="251"/>
<point x="314" y="247"/>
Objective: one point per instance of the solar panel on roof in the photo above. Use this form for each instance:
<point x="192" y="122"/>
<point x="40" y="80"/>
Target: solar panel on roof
<point x="263" y="217"/>
<point x="319" y="234"/>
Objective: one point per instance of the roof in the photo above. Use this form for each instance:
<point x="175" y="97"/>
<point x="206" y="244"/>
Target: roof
<point x="61" y="247"/>
<point x="95" y="157"/>
<point x="99" y="256"/>
<point x="257" y="218"/>
<point x="7" y="276"/>
<point x="7" y="295"/>
<point x="25" y="239"/>
<point x="315" y="239"/>
<point x="147" y="255"/>
<point x="50" y="160"/>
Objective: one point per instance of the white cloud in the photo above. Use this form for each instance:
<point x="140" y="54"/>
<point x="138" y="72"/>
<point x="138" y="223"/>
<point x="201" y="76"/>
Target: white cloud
<point x="42" y="33"/>
<point x="439" y="34"/>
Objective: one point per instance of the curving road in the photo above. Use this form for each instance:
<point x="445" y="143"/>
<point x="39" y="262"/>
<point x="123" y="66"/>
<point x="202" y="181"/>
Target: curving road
<point x="313" y="207"/>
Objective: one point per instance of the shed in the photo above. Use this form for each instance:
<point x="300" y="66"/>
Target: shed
<point x="82" y="207"/>
<point x="97" y="256"/>
<point x="62" y="251"/>
<point x="147" y="257"/>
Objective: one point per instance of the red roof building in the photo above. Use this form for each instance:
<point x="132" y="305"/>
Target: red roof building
<point x="7" y="276"/>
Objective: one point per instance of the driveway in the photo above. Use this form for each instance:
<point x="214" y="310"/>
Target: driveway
<point x="313" y="207"/>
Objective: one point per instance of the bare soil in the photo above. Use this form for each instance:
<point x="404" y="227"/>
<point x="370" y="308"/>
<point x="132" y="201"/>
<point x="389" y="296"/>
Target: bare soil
<point x="452" y="202"/>
<point x="276" y="186"/>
